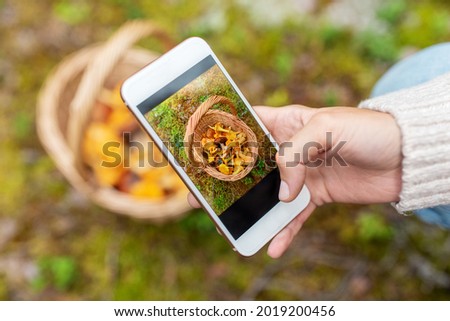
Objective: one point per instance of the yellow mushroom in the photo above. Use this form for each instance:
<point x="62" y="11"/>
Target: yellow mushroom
<point x="224" y="169"/>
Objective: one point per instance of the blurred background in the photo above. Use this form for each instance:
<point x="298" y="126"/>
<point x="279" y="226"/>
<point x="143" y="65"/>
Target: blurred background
<point x="55" y="244"/>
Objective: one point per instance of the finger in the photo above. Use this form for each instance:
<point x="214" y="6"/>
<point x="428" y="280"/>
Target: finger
<point x="268" y="116"/>
<point x="294" y="155"/>
<point x="193" y="201"/>
<point x="266" y="113"/>
<point x="284" y="122"/>
<point x="282" y="240"/>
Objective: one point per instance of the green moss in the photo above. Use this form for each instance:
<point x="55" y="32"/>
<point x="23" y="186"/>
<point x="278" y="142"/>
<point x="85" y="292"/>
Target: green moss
<point x="221" y="202"/>
<point x="425" y="26"/>
<point x="378" y="45"/>
<point x="3" y="289"/>
<point x="260" y="168"/>
<point x="71" y="12"/>
<point x="332" y="35"/>
<point x="55" y="272"/>
<point x="330" y="98"/>
<point x="13" y="177"/>
<point x="247" y="180"/>
<point x="279" y="97"/>
<point x="392" y="11"/>
<point x="373" y="228"/>
<point x="198" y="222"/>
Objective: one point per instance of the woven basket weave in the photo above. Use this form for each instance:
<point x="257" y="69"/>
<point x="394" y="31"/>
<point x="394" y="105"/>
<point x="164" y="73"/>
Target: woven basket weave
<point x="198" y="124"/>
<point x="64" y="108"/>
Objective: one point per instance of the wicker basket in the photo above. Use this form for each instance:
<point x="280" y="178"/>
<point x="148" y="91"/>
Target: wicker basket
<point x="198" y="124"/>
<point x="64" y="109"/>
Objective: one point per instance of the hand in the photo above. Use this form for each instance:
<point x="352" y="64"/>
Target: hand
<point x="371" y="152"/>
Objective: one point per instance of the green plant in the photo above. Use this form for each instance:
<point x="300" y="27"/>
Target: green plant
<point x="198" y="220"/>
<point x="72" y="12"/>
<point x="278" y="97"/>
<point x="392" y="11"/>
<point x="331" y="35"/>
<point x="3" y="289"/>
<point x="372" y="227"/>
<point x="247" y="180"/>
<point x="284" y="61"/>
<point x="378" y="45"/>
<point x="260" y="168"/>
<point x="59" y="272"/>
<point x="330" y="98"/>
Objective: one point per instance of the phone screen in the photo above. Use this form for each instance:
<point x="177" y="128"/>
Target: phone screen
<point x="215" y="139"/>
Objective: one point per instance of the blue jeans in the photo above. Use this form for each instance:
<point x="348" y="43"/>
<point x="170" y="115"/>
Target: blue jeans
<point x="416" y="69"/>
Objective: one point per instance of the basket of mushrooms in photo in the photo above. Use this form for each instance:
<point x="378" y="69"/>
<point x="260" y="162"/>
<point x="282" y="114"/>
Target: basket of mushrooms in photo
<point x="219" y="142"/>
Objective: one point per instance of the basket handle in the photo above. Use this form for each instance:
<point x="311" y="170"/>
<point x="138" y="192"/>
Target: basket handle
<point x="203" y="109"/>
<point x="98" y="70"/>
<point x="198" y="114"/>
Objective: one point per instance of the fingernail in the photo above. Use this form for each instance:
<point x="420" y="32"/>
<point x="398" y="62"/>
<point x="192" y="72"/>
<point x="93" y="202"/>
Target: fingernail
<point x="283" y="194"/>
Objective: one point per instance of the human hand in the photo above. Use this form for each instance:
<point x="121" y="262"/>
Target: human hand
<point x="371" y="153"/>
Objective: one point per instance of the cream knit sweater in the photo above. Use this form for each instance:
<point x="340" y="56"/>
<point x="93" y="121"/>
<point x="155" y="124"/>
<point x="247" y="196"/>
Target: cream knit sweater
<point x="423" y="115"/>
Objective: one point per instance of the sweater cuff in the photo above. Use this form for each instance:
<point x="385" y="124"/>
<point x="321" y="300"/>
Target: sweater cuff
<point x="423" y="115"/>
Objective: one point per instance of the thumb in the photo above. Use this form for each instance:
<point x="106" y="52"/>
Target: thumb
<point x="301" y="151"/>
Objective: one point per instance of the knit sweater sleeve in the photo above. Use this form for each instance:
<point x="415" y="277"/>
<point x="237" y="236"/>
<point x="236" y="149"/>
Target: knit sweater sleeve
<point x="423" y="115"/>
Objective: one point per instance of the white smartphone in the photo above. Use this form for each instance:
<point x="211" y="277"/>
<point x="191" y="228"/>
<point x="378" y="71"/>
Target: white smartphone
<point x="209" y="133"/>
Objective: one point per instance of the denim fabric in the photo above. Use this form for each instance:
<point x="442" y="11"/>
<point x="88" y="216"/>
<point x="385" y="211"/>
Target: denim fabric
<point x="414" y="70"/>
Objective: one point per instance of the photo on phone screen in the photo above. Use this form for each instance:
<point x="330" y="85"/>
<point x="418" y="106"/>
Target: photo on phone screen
<point x="215" y="139"/>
